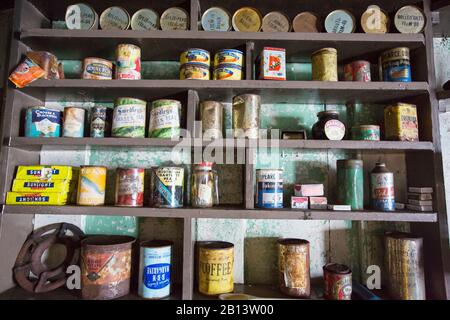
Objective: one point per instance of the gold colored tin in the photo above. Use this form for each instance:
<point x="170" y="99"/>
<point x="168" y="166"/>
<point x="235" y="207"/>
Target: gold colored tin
<point x="228" y="72"/>
<point x="247" y="19"/>
<point x="91" y="186"/>
<point x="400" y="53"/>
<point x="276" y="21"/>
<point x="375" y="20"/>
<point x="194" y="71"/>
<point x="401" y="122"/>
<point x="196" y="55"/>
<point x="324" y="65"/>
<point x="246" y="110"/>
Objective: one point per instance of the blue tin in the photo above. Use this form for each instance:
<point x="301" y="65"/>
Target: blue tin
<point x="42" y="122"/>
<point x="269" y="188"/>
<point x="396" y="66"/>
<point x="155" y="269"/>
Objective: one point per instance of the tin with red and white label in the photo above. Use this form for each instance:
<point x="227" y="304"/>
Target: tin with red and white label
<point x="338" y="282"/>
<point x="382" y="188"/>
<point x="357" y="71"/>
<point x="128" y="62"/>
<point x="130" y="187"/>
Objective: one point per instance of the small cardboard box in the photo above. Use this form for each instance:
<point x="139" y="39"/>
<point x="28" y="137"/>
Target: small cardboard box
<point x="308" y="190"/>
<point x="299" y="202"/>
<point x="272" y="64"/>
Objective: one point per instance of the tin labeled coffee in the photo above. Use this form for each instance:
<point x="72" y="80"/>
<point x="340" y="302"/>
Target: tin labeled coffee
<point x="42" y="122"/>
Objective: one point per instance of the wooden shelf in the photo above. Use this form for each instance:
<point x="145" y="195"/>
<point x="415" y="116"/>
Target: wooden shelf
<point x="443" y="95"/>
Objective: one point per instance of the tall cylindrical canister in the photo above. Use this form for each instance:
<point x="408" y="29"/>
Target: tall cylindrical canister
<point x="211" y="113"/>
<point x="73" y="126"/>
<point x="215" y="268"/>
<point x="246" y="110"/>
<point x="338" y="282"/>
<point x="404" y="266"/>
<point x="395" y="65"/>
<point x="130" y="187"/>
<point x="42" y="122"/>
<point x="167" y="187"/>
<point x="350" y="181"/>
<point x="101" y="119"/>
<point x="165" y="119"/>
<point x="155" y="269"/>
<point x="293" y="267"/>
<point x="91" y="186"/>
<point x="324" y="65"/>
<point x="128" y="59"/>
<point x="106" y="267"/>
<point x="129" y="118"/>
<point x="382" y="188"/>
<point x="269" y="188"/>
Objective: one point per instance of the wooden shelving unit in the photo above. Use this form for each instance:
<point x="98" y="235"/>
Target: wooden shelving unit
<point x="424" y="165"/>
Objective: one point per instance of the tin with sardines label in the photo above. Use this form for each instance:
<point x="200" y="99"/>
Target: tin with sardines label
<point x="165" y="119"/>
<point x="228" y="72"/>
<point x="74" y="122"/>
<point x="42" y="122"/>
<point x="229" y="56"/>
<point x="129" y="118"/>
<point x="100" y="122"/>
<point x="197" y="56"/>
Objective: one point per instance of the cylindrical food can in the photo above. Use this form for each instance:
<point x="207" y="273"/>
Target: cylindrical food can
<point x="165" y="119"/>
<point x="269" y="188"/>
<point x="382" y="188"/>
<point x="324" y="65"/>
<point x="215" y="268"/>
<point x="194" y="71"/>
<point x="128" y="59"/>
<point x="228" y="72"/>
<point x="91" y="186"/>
<point x="97" y="69"/>
<point x="199" y="56"/>
<point x="338" y="282"/>
<point x="246" y="110"/>
<point x="395" y="65"/>
<point x="155" y="269"/>
<point x="106" y="267"/>
<point x="81" y="16"/>
<point x="129" y="118"/>
<point x="42" y="122"/>
<point x="174" y="19"/>
<point x="366" y="132"/>
<point x="216" y="19"/>
<point x="340" y="21"/>
<point x="74" y="122"/>
<point x="357" y="71"/>
<point x="350" y="181"/>
<point x="276" y="21"/>
<point x="410" y="19"/>
<point x="115" y="18"/>
<point x="293" y="267"/>
<point x="306" y="22"/>
<point x="211" y="113"/>
<point x="404" y="266"/>
<point x="130" y="187"/>
<point x="229" y="56"/>
<point x="167" y="187"/>
<point x="247" y="19"/>
<point x="101" y="119"/>
<point x="145" y="20"/>
<point x="375" y="20"/>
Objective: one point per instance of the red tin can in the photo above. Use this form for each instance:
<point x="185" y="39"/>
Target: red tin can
<point x="357" y="71"/>
<point x="338" y="282"/>
<point x="130" y="187"/>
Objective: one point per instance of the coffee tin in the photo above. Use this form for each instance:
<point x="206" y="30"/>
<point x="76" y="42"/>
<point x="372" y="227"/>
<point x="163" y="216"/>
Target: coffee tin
<point x="101" y="119"/>
<point x="410" y="19"/>
<point x="276" y="21"/>
<point x="382" y="188"/>
<point x="97" y="69"/>
<point x="145" y="20"/>
<point x="306" y="22"/>
<point x="324" y="65"/>
<point x="196" y="56"/>
<point x="129" y="118"/>
<point x="167" y="187"/>
<point x="174" y="19"/>
<point x="340" y="21"/>
<point x="129" y="187"/>
<point x="81" y="16"/>
<point x="42" y="122"/>
<point x="216" y="19"/>
<point x="247" y="19"/>
<point x="401" y="122"/>
<point x="165" y="119"/>
<point x="194" y="71"/>
<point x="115" y="18"/>
<point x="228" y="72"/>
<point x="366" y="133"/>
<point x="91" y="186"/>
<point x="395" y="65"/>
<point x="74" y="122"/>
<point x="128" y="62"/>
<point x="338" y="282"/>
<point x="229" y="56"/>
<point x="357" y="71"/>
<point x="269" y="188"/>
<point x="375" y="20"/>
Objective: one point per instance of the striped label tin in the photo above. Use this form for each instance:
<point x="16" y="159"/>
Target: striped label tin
<point x="269" y="188"/>
<point x="165" y="119"/>
<point x="42" y="122"/>
<point x="382" y="188"/>
<point x="194" y="71"/>
<point x="129" y="118"/>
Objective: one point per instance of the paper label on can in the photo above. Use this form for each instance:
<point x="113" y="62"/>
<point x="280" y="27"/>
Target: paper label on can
<point x="216" y="270"/>
<point x="293" y="265"/>
<point x="228" y="73"/>
<point x="229" y="56"/>
<point x="131" y="184"/>
<point x="383" y="194"/>
<point x="155" y="272"/>
<point x="97" y="70"/>
<point x="74" y="123"/>
<point x="334" y="130"/>
<point x="106" y="268"/>
<point x="164" y="117"/>
<point x="46" y="123"/>
<point x="157" y="276"/>
<point x="216" y="19"/>
<point x="129" y="120"/>
<point x="339" y="22"/>
<point x="80" y="17"/>
<point x="273" y="65"/>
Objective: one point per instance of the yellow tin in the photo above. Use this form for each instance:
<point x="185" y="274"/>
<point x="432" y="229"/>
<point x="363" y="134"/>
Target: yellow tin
<point x="324" y="65"/>
<point x="34" y="173"/>
<point x="247" y="19"/>
<point x="36" y="199"/>
<point x="216" y="268"/>
<point x="91" y="186"/>
<point x="196" y="55"/>
<point x="194" y="71"/>
<point x="401" y="122"/>
<point x="41" y="186"/>
<point x="375" y="20"/>
<point x="228" y="72"/>
<point x="229" y="56"/>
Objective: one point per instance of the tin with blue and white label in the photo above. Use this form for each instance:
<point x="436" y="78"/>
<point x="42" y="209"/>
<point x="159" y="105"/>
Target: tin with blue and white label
<point x="269" y="188"/>
<point x="42" y="122"/>
<point x="155" y="269"/>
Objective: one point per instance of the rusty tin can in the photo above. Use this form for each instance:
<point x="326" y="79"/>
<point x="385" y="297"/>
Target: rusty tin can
<point x="324" y="65"/>
<point x="128" y="62"/>
<point x="357" y="71"/>
<point x="215" y="268"/>
<point x="338" y="282"/>
<point x="91" y="186"/>
<point x="106" y="267"/>
<point x="73" y="126"/>
<point x="211" y="113"/>
<point x="130" y="187"/>
<point x="293" y="267"/>
<point x="246" y="110"/>
<point x="306" y="22"/>
<point x="404" y="266"/>
<point x="97" y="69"/>
<point x="401" y="122"/>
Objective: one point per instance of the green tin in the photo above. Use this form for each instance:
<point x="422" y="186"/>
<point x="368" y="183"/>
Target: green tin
<point x="350" y="183"/>
<point x="366" y="132"/>
<point x="165" y="119"/>
<point x="129" y="118"/>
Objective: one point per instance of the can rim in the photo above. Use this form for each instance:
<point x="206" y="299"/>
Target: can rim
<point x="348" y="162"/>
<point x="292" y="242"/>
<point x="337" y="268"/>
<point x="246" y="8"/>
<point x="225" y="50"/>
<point x="215" y="245"/>
<point x="402" y="235"/>
<point x="129" y="98"/>
<point x="334" y="50"/>
<point x="107" y="241"/>
<point x="156" y="243"/>
<point x="100" y="59"/>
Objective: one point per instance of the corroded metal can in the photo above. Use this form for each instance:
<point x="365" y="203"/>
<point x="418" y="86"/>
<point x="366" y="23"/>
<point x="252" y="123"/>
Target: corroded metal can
<point x="382" y="188"/>
<point x="215" y="268"/>
<point x="211" y="113"/>
<point x="73" y="126"/>
<point x="101" y="120"/>
<point x="293" y="267"/>
<point x="194" y="71"/>
<point x="350" y="181"/>
<point x="165" y="119"/>
<point x="128" y="59"/>
<point x="404" y="266"/>
<point x="246" y="110"/>
<point x="97" y="69"/>
<point x="324" y="65"/>
<point x="106" y="267"/>
<point x="91" y="186"/>
<point x="167" y="187"/>
<point x="338" y="282"/>
<point x="115" y="18"/>
<point x="269" y="188"/>
<point x="196" y="55"/>
<point x="395" y="65"/>
<point x="129" y="118"/>
<point x="130" y="187"/>
<point x="357" y="71"/>
<point x="306" y="22"/>
<point x="401" y="122"/>
<point x="366" y="133"/>
<point x="174" y="19"/>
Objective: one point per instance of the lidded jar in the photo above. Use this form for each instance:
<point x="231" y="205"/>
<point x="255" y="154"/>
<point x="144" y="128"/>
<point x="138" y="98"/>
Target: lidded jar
<point x="328" y="127"/>
<point x="204" y="186"/>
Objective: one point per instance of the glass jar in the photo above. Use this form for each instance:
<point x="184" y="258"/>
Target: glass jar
<point x="204" y="186"/>
<point x="328" y="127"/>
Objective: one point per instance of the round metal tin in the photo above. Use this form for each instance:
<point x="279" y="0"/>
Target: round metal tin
<point x="73" y="126"/>
<point x="145" y="19"/>
<point x="247" y="19"/>
<point x="410" y="19"/>
<point x="216" y="19"/>
<point x="340" y="21"/>
<point x="228" y="72"/>
<point x="338" y="282"/>
<point x="129" y="187"/>
<point x="91" y="186"/>
<point x="81" y="16"/>
<point x="306" y="22"/>
<point x="97" y="69"/>
<point x="269" y="188"/>
<point x="42" y="122"/>
<point x="375" y="20"/>
<point x="115" y="18"/>
<point x="196" y="55"/>
<point x="194" y="71"/>
<point x="229" y="56"/>
<point x="174" y="19"/>
<point x="276" y="21"/>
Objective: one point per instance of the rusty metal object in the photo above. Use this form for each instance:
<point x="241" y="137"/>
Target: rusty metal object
<point x="29" y="265"/>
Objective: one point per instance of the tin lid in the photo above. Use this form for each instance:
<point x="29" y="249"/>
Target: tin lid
<point x="410" y="19"/>
<point x="325" y="113"/>
<point x="375" y="20"/>
<point x="306" y="22"/>
<point x="352" y="163"/>
<point x="331" y="50"/>
<point x="108" y="62"/>
<point x="395" y="54"/>
<point x="340" y="21"/>
<point x="216" y="19"/>
<point x="115" y="18"/>
<point x="80" y="16"/>
<point x="292" y="242"/>
<point x="276" y="21"/>
<point x="247" y="19"/>
<point x="107" y="241"/>
<point x="175" y="18"/>
<point x="337" y="268"/>
<point x="215" y="245"/>
<point x="145" y="19"/>
<point x="156" y="244"/>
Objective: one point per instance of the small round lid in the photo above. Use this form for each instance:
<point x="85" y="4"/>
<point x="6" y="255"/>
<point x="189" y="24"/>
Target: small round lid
<point x="328" y="113"/>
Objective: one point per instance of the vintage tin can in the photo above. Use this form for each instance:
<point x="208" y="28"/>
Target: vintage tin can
<point x="269" y="188"/>
<point x="165" y="119"/>
<point x="216" y="19"/>
<point x="338" y="282"/>
<point x="106" y="267"/>
<point x="306" y="22"/>
<point x="194" y="71"/>
<point x="382" y="188"/>
<point x="211" y="113"/>
<point x="91" y="186"/>
<point x="228" y="72"/>
<point x="366" y="133"/>
<point x="324" y="65"/>
<point x="145" y="20"/>
<point x="129" y="187"/>
<point x="81" y="16"/>
<point x="155" y="269"/>
<point x="340" y="21"/>
<point x="357" y="71"/>
<point x="401" y="122"/>
<point x="410" y="19"/>
<point x="215" y="268"/>
<point x="395" y="65"/>
<point x="276" y="21"/>
<point x="245" y="112"/>
<point x="199" y="56"/>
<point x="167" y="187"/>
<point x="101" y="119"/>
<point x="174" y="19"/>
<point x="128" y="59"/>
<point x="42" y="122"/>
<point x="97" y="69"/>
<point x="115" y="18"/>
<point x="350" y="181"/>
<point x="247" y="19"/>
<point x="404" y="264"/>
<point x="272" y="64"/>
<point x="229" y="56"/>
<point x="73" y="126"/>
<point x="293" y="267"/>
<point x="129" y="118"/>
<point x="375" y="20"/>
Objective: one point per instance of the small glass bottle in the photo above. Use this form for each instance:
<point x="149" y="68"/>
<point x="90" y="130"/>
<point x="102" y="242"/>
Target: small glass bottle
<point x="204" y="186"/>
<point x="328" y="127"/>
